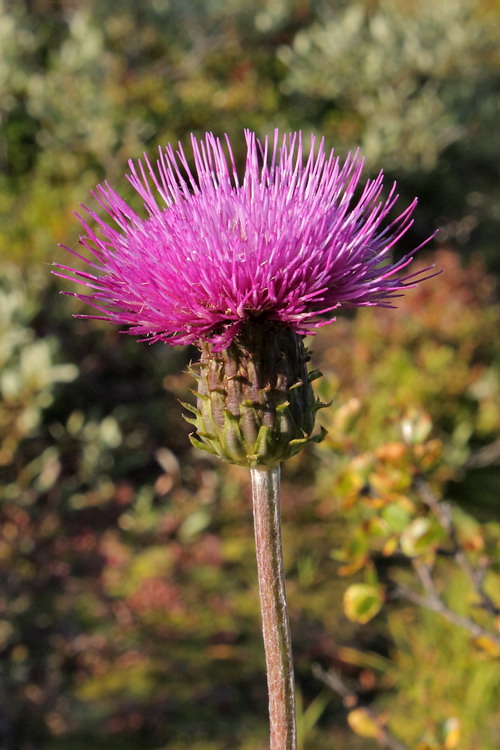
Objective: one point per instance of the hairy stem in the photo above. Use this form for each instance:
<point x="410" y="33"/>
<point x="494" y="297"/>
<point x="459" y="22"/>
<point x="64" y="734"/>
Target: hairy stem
<point x="275" y="625"/>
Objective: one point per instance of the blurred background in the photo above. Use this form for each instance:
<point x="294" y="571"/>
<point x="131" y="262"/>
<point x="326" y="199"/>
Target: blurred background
<point x="128" y="594"/>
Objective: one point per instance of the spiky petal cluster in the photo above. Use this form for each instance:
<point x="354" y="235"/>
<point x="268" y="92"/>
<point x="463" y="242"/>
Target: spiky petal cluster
<point x="291" y="242"/>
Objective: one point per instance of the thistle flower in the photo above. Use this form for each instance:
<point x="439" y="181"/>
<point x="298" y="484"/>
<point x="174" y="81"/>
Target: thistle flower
<point x="289" y="242"/>
<point x="244" y="270"/>
<point x="220" y="262"/>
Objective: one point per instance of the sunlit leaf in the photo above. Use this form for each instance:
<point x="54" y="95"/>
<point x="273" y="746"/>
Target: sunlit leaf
<point x="362" y="602"/>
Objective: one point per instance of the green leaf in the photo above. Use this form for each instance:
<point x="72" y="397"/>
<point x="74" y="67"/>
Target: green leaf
<point x="420" y="537"/>
<point x="396" y="516"/>
<point x="416" y="426"/>
<point x="362" y="602"/>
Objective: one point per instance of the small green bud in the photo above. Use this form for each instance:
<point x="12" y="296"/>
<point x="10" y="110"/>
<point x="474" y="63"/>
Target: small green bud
<point x="255" y="403"/>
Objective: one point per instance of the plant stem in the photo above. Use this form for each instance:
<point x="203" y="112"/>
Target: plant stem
<point x="275" y="625"/>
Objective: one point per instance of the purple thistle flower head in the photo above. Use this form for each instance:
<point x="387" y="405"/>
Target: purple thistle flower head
<point x="291" y="242"/>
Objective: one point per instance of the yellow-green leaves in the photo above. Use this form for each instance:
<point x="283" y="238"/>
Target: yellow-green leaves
<point x="362" y="601"/>
<point x="421" y="537"/>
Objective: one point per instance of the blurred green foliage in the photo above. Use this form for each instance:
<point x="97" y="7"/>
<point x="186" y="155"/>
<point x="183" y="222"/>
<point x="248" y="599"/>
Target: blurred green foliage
<point x="84" y="87"/>
<point x="128" y="602"/>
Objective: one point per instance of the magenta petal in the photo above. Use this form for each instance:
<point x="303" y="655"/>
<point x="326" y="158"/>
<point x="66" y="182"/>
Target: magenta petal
<point x="288" y="241"/>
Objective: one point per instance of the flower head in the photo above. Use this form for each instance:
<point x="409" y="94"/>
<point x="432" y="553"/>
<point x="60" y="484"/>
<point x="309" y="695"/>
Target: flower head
<point x="290" y="243"/>
<point x="244" y="269"/>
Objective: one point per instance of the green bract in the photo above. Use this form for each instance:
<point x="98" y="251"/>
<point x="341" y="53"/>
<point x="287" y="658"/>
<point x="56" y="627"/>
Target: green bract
<point x="255" y="403"/>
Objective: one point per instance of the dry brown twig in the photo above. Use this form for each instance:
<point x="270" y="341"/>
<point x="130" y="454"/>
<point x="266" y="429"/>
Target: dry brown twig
<point x="385" y="737"/>
<point x="432" y="599"/>
<point x="442" y="511"/>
